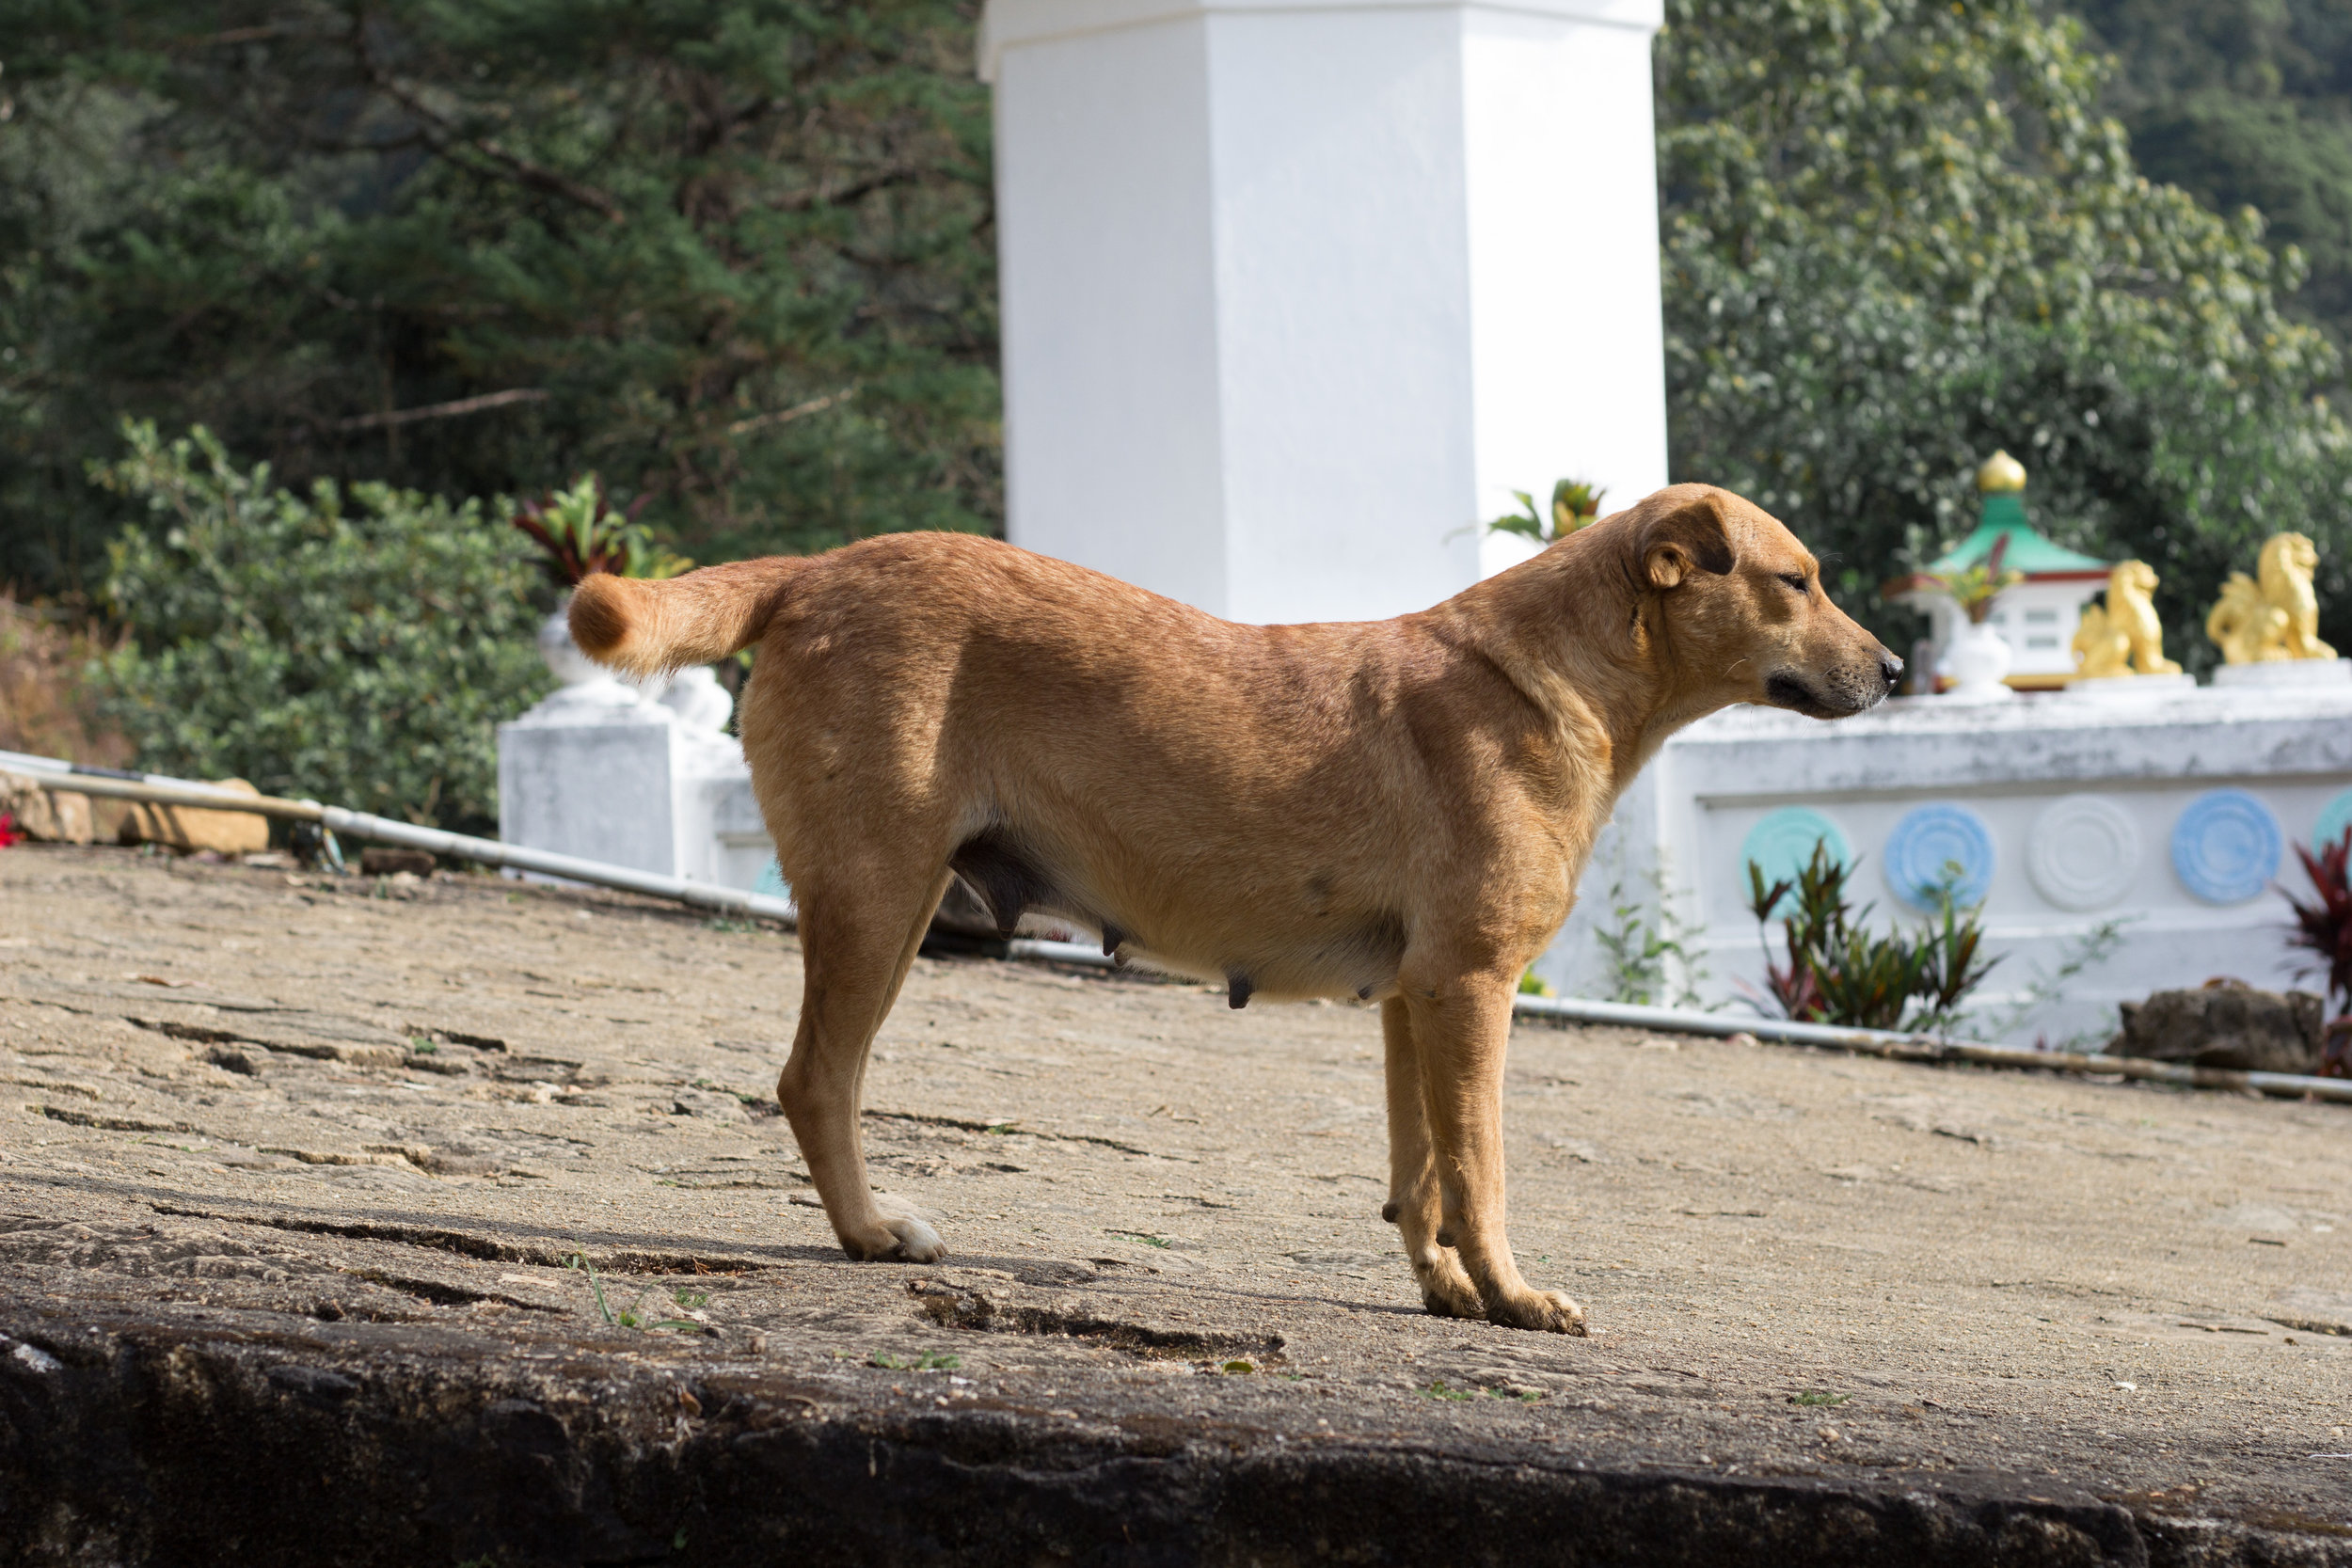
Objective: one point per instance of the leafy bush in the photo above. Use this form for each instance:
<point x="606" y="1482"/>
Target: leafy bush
<point x="356" y="646"/>
<point x="1838" y="973"/>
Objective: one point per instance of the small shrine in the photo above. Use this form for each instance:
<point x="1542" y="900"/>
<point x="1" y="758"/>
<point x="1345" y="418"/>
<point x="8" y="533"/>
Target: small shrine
<point x="2038" y="616"/>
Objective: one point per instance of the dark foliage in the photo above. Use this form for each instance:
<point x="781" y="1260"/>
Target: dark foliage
<point x="734" y="255"/>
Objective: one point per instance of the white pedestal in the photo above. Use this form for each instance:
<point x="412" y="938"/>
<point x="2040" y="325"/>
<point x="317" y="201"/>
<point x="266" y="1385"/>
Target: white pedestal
<point x="1295" y="294"/>
<point x="644" y="779"/>
<point x="2130" y="689"/>
<point x="2290" y="674"/>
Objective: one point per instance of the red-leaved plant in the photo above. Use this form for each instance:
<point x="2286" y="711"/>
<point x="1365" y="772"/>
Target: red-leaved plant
<point x="581" y="532"/>
<point x="2325" y="928"/>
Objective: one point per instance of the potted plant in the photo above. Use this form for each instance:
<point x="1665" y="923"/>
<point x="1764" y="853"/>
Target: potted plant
<point x="1978" y="656"/>
<point x="1574" y="503"/>
<point x="579" y="532"/>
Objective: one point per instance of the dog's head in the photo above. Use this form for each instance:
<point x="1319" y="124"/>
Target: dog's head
<point x="1732" y="609"/>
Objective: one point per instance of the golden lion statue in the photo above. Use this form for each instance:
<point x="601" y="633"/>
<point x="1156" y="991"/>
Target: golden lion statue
<point x="2126" y="633"/>
<point x="2277" y="618"/>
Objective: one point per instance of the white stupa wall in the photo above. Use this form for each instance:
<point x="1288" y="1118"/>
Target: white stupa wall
<point x="2174" y="812"/>
<point x="1295" y="295"/>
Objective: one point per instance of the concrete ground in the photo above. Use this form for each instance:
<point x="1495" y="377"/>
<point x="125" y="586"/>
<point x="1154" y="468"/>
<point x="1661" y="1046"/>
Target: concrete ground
<point x="307" y="1185"/>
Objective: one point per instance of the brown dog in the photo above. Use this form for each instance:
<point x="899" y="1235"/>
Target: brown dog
<point x="1393" y="810"/>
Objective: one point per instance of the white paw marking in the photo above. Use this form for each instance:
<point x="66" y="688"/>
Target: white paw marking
<point x="917" y="1241"/>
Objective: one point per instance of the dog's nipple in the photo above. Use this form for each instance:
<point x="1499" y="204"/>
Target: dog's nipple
<point x="1237" y="989"/>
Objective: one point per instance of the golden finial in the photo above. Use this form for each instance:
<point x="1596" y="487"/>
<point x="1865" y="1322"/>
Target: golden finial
<point x="2000" y="472"/>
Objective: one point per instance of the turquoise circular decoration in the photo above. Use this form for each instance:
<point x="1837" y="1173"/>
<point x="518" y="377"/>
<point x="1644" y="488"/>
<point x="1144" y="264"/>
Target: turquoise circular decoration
<point x="1781" y="843"/>
<point x="2332" y="822"/>
<point x="1935" y="843"/>
<point x="2226" y="847"/>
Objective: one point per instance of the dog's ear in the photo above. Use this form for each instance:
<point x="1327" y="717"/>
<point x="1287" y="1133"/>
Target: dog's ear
<point x="1691" y="538"/>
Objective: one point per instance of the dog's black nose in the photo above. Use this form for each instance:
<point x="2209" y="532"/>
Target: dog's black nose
<point x="1891" y="666"/>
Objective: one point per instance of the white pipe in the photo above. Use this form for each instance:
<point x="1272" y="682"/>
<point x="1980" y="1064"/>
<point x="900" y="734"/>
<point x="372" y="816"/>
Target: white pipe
<point x="1873" y="1042"/>
<point x="50" y="774"/>
<point x="1876" y="1042"/>
<point x="1929" y="1048"/>
<point x="708" y="895"/>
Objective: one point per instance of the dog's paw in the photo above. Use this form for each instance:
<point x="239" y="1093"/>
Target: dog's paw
<point x="905" y="1237"/>
<point x="1547" y="1311"/>
<point x="1446" y="1291"/>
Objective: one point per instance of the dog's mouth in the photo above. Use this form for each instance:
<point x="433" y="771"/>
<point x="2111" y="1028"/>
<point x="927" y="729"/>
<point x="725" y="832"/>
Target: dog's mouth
<point x="1783" y="690"/>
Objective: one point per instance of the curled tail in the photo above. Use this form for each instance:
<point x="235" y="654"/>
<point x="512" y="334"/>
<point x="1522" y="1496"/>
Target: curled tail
<point x="643" y="627"/>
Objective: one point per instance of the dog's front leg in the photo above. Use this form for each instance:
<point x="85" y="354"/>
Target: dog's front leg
<point x="1414" y="1205"/>
<point x="1462" y="1035"/>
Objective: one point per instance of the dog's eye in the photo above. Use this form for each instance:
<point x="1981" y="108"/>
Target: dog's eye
<point x="1797" y="581"/>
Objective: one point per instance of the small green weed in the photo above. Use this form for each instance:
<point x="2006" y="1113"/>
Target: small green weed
<point x="422" y="1045"/>
<point x="1817" y="1396"/>
<point x="1439" y="1391"/>
<point x="1239" y="1368"/>
<point x="929" y="1361"/>
<point x="1140" y="1236"/>
<point x="629" y="1316"/>
<point x="689" y="1301"/>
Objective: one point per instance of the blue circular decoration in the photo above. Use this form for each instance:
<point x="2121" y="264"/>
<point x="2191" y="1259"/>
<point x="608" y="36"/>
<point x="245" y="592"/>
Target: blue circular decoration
<point x="2332" y="822"/>
<point x="1781" y="843"/>
<point x="1935" y="843"/>
<point x="2226" y="847"/>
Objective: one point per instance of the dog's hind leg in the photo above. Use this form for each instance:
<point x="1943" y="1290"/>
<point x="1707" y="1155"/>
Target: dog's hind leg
<point x="1461" y="1036"/>
<point x="1413" y="1204"/>
<point x="858" y="938"/>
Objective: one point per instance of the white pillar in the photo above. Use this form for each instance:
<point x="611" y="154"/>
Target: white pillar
<point x="1295" y="291"/>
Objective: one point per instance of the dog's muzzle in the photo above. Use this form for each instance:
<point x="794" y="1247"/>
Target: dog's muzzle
<point x="1841" y="694"/>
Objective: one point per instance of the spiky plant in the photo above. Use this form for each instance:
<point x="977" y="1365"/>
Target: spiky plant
<point x="2325" y="928"/>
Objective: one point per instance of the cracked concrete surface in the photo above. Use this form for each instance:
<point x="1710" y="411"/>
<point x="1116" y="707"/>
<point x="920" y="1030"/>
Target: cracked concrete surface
<point x="316" y="1129"/>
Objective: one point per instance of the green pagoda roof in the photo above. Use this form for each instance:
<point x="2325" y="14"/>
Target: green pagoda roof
<point x="2004" y="515"/>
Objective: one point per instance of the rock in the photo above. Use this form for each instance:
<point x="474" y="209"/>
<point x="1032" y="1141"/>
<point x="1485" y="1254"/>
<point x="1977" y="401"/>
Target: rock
<point x="229" y="832"/>
<point x="235" y="1060"/>
<point x="2225" y="1023"/>
<point x="52" y="816"/>
<point x="379" y="861"/>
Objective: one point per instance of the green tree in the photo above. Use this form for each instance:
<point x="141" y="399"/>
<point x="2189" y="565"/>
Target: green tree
<point x="1899" y="234"/>
<point x="357" y="646"/>
<point x="733" y="255"/>
<point x="2245" y="102"/>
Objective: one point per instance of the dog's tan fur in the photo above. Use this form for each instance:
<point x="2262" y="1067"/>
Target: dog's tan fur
<point x="1394" y="810"/>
